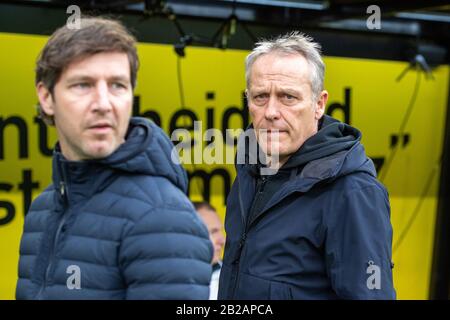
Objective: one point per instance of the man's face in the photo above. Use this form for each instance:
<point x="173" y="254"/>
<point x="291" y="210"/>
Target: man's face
<point x="215" y="230"/>
<point x="91" y="105"/>
<point x="281" y="102"/>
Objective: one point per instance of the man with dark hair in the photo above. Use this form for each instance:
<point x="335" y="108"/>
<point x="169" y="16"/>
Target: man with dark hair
<point x="116" y="222"/>
<point x="215" y="228"/>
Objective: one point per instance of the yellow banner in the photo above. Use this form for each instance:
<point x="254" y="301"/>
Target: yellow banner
<point x="364" y="93"/>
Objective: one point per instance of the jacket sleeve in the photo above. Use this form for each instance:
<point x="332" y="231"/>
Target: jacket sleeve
<point x="358" y="245"/>
<point x="166" y="255"/>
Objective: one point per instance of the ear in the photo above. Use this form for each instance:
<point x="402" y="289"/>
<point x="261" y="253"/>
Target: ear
<point x="45" y="99"/>
<point x="320" y="104"/>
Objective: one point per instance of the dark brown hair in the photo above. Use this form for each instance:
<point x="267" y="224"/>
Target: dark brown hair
<point x="66" y="45"/>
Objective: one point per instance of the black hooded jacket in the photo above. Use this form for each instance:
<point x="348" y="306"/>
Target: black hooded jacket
<point x="318" y="229"/>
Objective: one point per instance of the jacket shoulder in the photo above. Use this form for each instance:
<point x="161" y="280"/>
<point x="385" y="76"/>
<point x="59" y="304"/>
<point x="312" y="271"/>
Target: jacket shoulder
<point x="44" y="200"/>
<point x="157" y="201"/>
<point x="151" y="192"/>
<point x="39" y="210"/>
<point x="358" y="181"/>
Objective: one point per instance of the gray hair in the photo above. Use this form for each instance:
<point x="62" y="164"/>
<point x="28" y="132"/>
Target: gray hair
<point x="291" y="43"/>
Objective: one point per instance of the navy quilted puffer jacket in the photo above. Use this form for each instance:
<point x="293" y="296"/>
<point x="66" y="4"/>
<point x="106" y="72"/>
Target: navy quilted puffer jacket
<point x="117" y="228"/>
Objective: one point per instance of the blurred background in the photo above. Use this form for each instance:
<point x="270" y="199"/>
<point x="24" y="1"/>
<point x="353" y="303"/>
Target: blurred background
<point x="387" y="73"/>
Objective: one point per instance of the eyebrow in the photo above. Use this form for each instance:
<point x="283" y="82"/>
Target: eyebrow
<point x="76" y="78"/>
<point x="120" y="78"/>
<point x="288" y="90"/>
<point x="257" y="90"/>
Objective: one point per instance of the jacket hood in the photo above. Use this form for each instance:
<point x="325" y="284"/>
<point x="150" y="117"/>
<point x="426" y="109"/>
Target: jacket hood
<point x="333" y="136"/>
<point x="146" y="151"/>
<point x="335" y="150"/>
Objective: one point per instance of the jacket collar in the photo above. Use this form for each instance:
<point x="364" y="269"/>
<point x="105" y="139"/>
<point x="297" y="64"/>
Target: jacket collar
<point x="146" y="151"/>
<point x="320" y="171"/>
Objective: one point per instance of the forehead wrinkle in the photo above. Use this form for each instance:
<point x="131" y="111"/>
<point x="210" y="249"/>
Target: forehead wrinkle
<point x="293" y="69"/>
<point x="261" y="79"/>
<point x="296" y="86"/>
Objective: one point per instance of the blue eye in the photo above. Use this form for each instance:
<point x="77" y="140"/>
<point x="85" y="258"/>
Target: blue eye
<point x="288" y="99"/>
<point x="118" y="85"/>
<point x="82" y="85"/>
<point x="261" y="97"/>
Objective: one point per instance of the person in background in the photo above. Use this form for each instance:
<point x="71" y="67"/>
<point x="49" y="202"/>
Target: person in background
<point x="215" y="227"/>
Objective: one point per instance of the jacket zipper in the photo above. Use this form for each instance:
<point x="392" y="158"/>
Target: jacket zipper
<point x="260" y="191"/>
<point x="63" y="193"/>
<point x="287" y="192"/>
<point x="237" y="258"/>
<point x="245" y="220"/>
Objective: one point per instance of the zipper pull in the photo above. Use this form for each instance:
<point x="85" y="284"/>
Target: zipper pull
<point x="62" y="189"/>
<point x="263" y="184"/>
<point x="241" y="245"/>
<point x="243" y="238"/>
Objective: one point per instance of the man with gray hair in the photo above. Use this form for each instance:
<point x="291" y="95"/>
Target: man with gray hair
<point x="319" y="228"/>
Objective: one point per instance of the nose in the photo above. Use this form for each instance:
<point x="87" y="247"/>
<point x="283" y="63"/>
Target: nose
<point x="272" y="111"/>
<point x="101" y="101"/>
